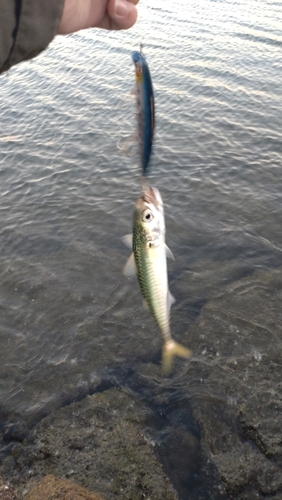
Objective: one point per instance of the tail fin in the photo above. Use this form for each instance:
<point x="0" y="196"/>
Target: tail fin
<point x="171" y="349"/>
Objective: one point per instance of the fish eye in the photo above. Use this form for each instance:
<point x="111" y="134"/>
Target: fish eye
<point x="147" y="215"/>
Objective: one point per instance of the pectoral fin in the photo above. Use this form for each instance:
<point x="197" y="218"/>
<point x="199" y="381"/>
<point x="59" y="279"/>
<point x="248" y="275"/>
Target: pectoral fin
<point x="130" y="266"/>
<point x="127" y="240"/>
<point x="170" y="300"/>
<point x="169" y="253"/>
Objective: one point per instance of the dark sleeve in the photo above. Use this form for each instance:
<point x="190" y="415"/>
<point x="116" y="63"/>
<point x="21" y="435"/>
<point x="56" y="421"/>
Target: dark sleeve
<point x="26" y="28"/>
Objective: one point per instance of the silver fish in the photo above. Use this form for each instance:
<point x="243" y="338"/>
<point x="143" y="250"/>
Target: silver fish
<point x="149" y="262"/>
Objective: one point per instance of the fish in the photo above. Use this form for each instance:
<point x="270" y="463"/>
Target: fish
<point x="149" y="262"/>
<point x="145" y="108"/>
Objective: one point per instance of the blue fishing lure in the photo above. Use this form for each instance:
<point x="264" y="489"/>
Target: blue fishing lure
<point x="145" y="108"/>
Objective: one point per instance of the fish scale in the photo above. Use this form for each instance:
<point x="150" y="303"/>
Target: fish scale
<point x="150" y="285"/>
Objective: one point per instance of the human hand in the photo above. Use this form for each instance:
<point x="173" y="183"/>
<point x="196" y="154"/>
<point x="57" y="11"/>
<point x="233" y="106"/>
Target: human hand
<point x="106" y="14"/>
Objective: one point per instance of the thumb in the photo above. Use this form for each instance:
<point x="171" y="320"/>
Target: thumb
<point x="122" y="13"/>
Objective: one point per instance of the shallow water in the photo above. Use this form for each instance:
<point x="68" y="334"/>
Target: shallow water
<point x="67" y="191"/>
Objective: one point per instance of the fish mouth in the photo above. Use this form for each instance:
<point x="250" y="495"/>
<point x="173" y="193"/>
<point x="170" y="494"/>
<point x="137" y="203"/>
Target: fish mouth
<point x="151" y="195"/>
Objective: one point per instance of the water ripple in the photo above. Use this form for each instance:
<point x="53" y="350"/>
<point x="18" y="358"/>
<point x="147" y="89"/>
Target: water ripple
<point x="67" y="192"/>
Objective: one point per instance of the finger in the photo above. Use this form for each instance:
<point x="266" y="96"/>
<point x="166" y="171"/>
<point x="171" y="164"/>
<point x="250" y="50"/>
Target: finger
<point x="122" y="14"/>
<point x="81" y="14"/>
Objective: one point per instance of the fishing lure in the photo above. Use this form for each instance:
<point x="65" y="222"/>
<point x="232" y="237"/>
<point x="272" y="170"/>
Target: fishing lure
<point x="145" y="108"/>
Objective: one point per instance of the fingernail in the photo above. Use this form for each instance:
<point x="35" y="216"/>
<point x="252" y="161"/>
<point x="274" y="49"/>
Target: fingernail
<point x="121" y="8"/>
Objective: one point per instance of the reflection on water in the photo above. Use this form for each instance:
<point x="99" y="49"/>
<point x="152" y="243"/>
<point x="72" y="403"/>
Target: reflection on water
<point x="67" y="192"/>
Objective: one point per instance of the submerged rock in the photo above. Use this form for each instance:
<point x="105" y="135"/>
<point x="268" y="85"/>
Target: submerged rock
<point x="6" y="491"/>
<point x="238" y="396"/>
<point x="100" y="444"/>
